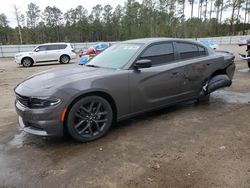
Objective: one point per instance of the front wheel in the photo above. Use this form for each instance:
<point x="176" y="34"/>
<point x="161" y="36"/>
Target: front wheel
<point x="27" y="62"/>
<point x="90" y="118"/>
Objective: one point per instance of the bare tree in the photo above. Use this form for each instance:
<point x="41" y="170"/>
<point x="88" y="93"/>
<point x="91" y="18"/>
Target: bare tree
<point x="236" y="6"/>
<point x="33" y="15"/>
<point x="18" y="20"/>
<point x="211" y="9"/>
<point x="201" y="5"/>
<point x="182" y="7"/>
<point x="191" y="2"/>
<point x="221" y="9"/>
<point x="247" y="3"/>
<point x="205" y="11"/>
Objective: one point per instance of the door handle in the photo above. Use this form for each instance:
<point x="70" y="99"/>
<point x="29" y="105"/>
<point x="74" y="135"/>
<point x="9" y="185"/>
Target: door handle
<point x="208" y="64"/>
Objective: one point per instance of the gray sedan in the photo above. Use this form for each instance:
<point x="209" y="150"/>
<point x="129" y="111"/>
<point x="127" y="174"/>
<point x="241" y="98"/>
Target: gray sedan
<point x="127" y="79"/>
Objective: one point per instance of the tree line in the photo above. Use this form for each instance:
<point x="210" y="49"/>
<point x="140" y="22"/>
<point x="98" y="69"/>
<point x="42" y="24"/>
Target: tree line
<point x="151" y="18"/>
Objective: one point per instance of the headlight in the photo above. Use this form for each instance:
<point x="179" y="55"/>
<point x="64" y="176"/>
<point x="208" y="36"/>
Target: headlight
<point x="37" y="102"/>
<point x="42" y="102"/>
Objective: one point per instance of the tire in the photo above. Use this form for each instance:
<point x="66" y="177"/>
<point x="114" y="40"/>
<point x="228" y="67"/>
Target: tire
<point x="64" y="59"/>
<point x="89" y="118"/>
<point x="27" y="62"/>
<point x="248" y="63"/>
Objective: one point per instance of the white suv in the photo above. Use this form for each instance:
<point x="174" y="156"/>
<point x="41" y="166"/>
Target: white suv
<point x="62" y="52"/>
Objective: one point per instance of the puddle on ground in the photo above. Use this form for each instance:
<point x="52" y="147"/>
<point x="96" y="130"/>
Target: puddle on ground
<point x="17" y="141"/>
<point x="8" y="172"/>
<point x="23" y="139"/>
<point x="231" y="97"/>
<point x="244" y="70"/>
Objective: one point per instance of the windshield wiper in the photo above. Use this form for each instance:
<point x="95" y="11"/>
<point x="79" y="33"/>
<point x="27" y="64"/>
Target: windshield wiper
<point x="89" y="65"/>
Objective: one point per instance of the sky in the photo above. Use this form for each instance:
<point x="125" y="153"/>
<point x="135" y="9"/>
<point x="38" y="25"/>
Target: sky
<point x="6" y="6"/>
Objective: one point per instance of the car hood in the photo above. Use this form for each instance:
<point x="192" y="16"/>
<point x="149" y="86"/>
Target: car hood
<point x="54" y="78"/>
<point x="24" y="53"/>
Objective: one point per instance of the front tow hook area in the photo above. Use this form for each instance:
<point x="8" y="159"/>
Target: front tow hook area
<point x="218" y="82"/>
<point x="31" y="130"/>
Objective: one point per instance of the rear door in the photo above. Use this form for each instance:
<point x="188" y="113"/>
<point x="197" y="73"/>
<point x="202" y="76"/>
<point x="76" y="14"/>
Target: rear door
<point x="158" y="85"/>
<point x="53" y="51"/>
<point x="195" y="61"/>
<point x="62" y="50"/>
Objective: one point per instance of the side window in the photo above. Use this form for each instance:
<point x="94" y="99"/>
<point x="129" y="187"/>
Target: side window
<point x="52" y="47"/>
<point x="62" y="46"/>
<point x="187" y="50"/>
<point x="202" y="50"/>
<point x="159" y="53"/>
<point x="42" y="48"/>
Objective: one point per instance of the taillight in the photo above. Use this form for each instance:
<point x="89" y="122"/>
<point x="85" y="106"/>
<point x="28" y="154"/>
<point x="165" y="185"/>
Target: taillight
<point x="73" y="51"/>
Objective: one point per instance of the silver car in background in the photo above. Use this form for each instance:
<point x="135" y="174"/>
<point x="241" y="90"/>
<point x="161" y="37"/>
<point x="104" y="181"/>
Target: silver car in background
<point x="44" y="53"/>
<point x="127" y="79"/>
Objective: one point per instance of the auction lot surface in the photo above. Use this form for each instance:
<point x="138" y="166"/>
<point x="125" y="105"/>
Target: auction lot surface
<point x="187" y="145"/>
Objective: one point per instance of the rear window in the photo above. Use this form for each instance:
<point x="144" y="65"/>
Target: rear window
<point x="56" y="46"/>
<point x="52" y="47"/>
<point x="62" y="46"/>
<point x="187" y="50"/>
<point x="202" y="50"/>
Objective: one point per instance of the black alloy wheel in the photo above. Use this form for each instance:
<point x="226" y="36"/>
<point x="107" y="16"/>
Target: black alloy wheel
<point x="90" y="118"/>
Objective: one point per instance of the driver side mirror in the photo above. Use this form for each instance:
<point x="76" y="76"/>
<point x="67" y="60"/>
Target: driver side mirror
<point x="37" y="50"/>
<point x="143" y="63"/>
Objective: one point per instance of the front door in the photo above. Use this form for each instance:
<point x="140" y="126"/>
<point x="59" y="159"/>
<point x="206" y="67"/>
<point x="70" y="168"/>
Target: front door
<point x="41" y="54"/>
<point x="158" y="85"/>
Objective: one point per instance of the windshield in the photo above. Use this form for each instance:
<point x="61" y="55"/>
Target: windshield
<point x="115" y="56"/>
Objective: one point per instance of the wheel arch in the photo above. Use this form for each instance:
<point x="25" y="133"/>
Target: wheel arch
<point x="102" y="94"/>
<point x="218" y="72"/>
<point x="33" y="61"/>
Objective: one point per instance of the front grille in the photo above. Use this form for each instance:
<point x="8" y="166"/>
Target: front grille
<point x="23" y="100"/>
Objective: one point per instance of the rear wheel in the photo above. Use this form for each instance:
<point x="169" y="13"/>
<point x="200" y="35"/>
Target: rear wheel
<point x="248" y="63"/>
<point x="64" y="59"/>
<point x="90" y="118"/>
<point x="27" y="62"/>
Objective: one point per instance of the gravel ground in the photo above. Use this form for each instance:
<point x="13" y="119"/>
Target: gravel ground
<point x="187" y="145"/>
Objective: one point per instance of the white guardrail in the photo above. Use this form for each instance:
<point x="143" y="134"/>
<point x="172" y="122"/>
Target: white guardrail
<point x="11" y="50"/>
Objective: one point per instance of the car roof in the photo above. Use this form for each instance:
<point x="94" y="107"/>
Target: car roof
<point x="157" y="39"/>
<point x="54" y="43"/>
